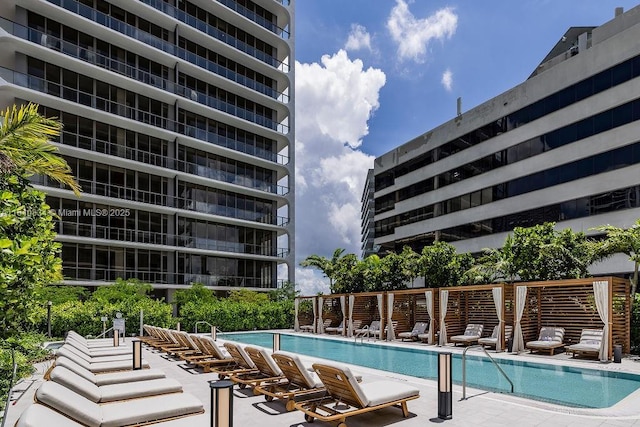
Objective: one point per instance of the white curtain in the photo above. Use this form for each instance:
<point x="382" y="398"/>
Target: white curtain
<point x="521" y="299"/>
<point x="296" y="322"/>
<point x="497" y="301"/>
<point x="344" y="313"/>
<point x="429" y="296"/>
<point x="444" y="299"/>
<point x="320" y="321"/>
<point x="391" y="334"/>
<point x="381" y="313"/>
<point x="601" y="294"/>
<point x="352" y="300"/>
<point x="315" y="314"/>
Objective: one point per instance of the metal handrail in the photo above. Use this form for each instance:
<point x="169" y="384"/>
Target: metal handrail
<point x="206" y="323"/>
<point x="104" y="333"/>
<point x="464" y="369"/>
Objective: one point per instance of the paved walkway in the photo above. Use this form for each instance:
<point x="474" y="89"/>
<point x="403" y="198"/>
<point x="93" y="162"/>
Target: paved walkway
<point x="480" y="409"/>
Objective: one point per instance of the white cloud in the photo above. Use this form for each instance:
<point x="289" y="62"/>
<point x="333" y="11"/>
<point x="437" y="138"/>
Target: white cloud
<point x="358" y="39"/>
<point x="447" y="80"/>
<point x="334" y="101"/>
<point x="413" y="35"/>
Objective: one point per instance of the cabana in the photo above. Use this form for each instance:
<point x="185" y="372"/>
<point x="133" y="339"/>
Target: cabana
<point x="482" y="305"/>
<point x="577" y="304"/>
<point x="305" y="318"/>
<point x="367" y="307"/>
<point x="332" y="309"/>
<point x="407" y="307"/>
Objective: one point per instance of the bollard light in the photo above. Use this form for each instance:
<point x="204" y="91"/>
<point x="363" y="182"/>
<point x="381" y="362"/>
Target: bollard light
<point x="276" y="342"/>
<point x="178" y="327"/>
<point x="214" y="333"/>
<point x="49" y="303"/>
<point x="221" y="403"/>
<point x="137" y="355"/>
<point x="445" y="395"/>
<point x="116" y="338"/>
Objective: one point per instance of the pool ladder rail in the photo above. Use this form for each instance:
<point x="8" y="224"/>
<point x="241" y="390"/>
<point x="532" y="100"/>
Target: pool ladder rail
<point x="464" y="369"/>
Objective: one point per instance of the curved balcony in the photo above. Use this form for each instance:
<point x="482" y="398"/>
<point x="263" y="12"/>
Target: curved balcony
<point x="188" y="19"/>
<point x="170" y="48"/>
<point x="122" y="110"/>
<point x="153" y="159"/>
<point x="90" y="56"/>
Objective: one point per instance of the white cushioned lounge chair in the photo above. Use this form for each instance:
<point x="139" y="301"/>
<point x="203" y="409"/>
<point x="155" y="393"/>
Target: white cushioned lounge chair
<point x="116" y="414"/>
<point x="98" y="351"/>
<point x="68" y="349"/>
<point x="493" y="339"/>
<point x="590" y="341"/>
<point x="351" y="398"/>
<point x="299" y="380"/>
<point x="267" y="369"/>
<point x="472" y="334"/>
<point x="549" y="339"/>
<point x="92" y="343"/>
<point x="109" y="378"/>
<point x="418" y="328"/>
<point x="101" y="366"/>
<point x="113" y="392"/>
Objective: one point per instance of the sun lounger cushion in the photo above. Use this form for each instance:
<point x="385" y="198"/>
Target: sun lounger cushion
<point x="418" y="329"/>
<point x="69" y="351"/>
<point x="273" y="366"/>
<point x="116" y="414"/>
<point x="98" y="351"/>
<point x="548" y="339"/>
<point x="493" y="339"/>
<point x="310" y="378"/>
<point x="99" y="367"/>
<point x="111" y="392"/>
<point x="39" y="416"/>
<point x="380" y="392"/>
<point x="101" y="342"/>
<point x="110" y="378"/>
<point x="472" y="333"/>
<point x="590" y="341"/>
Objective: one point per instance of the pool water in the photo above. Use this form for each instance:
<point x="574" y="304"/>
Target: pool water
<point x="569" y="386"/>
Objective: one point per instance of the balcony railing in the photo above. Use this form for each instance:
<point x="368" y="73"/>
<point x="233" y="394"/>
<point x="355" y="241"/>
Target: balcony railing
<point x="92" y="57"/>
<point x="177" y="13"/>
<point x="183" y="54"/>
<point x="118" y="150"/>
<point x="159" y="199"/>
<point x="122" y="110"/>
<point x="131" y="31"/>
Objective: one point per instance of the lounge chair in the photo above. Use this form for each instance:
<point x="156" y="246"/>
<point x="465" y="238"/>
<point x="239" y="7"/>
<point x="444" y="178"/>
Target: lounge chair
<point x="346" y="397"/>
<point x="100" y="366"/>
<point x="412" y="335"/>
<point x="549" y="339"/>
<point x="335" y="329"/>
<point x="371" y="330"/>
<point x="493" y="339"/>
<point x="113" y="392"/>
<point x="472" y="333"/>
<point x="299" y="381"/>
<point x="590" y="341"/>
<point x="116" y="414"/>
<point x="240" y="363"/>
<point x="268" y="372"/>
<point x="213" y="355"/>
<point x="108" y="378"/>
<point x="98" y="351"/>
<point x="68" y="349"/>
<point x="37" y="415"/>
<point x="91" y="343"/>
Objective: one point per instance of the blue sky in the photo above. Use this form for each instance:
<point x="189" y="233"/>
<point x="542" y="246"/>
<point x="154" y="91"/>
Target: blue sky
<point x="374" y="74"/>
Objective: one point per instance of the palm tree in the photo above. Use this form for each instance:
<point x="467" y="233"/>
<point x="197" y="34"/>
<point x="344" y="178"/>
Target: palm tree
<point x="26" y="148"/>
<point x="329" y="267"/>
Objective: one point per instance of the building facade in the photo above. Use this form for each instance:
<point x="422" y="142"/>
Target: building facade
<point x="564" y="146"/>
<point x="366" y="213"/>
<point x="178" y="124"/>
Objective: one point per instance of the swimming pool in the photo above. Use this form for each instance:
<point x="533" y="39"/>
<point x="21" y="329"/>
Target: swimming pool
<point x="569" y="386"/>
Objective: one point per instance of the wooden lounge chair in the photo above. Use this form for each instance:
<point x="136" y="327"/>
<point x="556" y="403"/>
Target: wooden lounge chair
<point x="268" y="372"/>
<point x="346" y="398"/>
<point x="493" y="339"/>
<point x="472" y="334"/>
<point x="241" y="363"/>
<point x="590" y="341"/>
<point x="116" y="414"/>
<point x="299" y="381"/>
<point x="549" y="339"/>
<point x="412" y="335"/>
<point x="213" y="356"/>
<point x="113" y="392"/>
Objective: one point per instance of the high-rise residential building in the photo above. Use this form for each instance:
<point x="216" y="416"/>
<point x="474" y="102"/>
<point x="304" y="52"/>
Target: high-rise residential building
<point x="178" y="124"/>
<point x="366" y="213"/>
<point x="563" y="146"/>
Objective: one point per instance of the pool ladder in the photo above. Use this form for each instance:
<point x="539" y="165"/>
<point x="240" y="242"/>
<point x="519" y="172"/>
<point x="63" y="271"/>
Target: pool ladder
<point x="464" y="369"/>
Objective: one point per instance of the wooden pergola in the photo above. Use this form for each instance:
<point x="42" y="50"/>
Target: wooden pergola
<point x="574" y="305"/>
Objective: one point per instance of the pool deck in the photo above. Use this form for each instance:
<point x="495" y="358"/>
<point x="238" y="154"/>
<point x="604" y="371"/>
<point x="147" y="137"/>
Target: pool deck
<point x="481" y="408"/>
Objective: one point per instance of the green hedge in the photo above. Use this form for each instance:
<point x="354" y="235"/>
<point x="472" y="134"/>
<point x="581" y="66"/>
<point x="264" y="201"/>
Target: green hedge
<point x="238" y="316"/>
